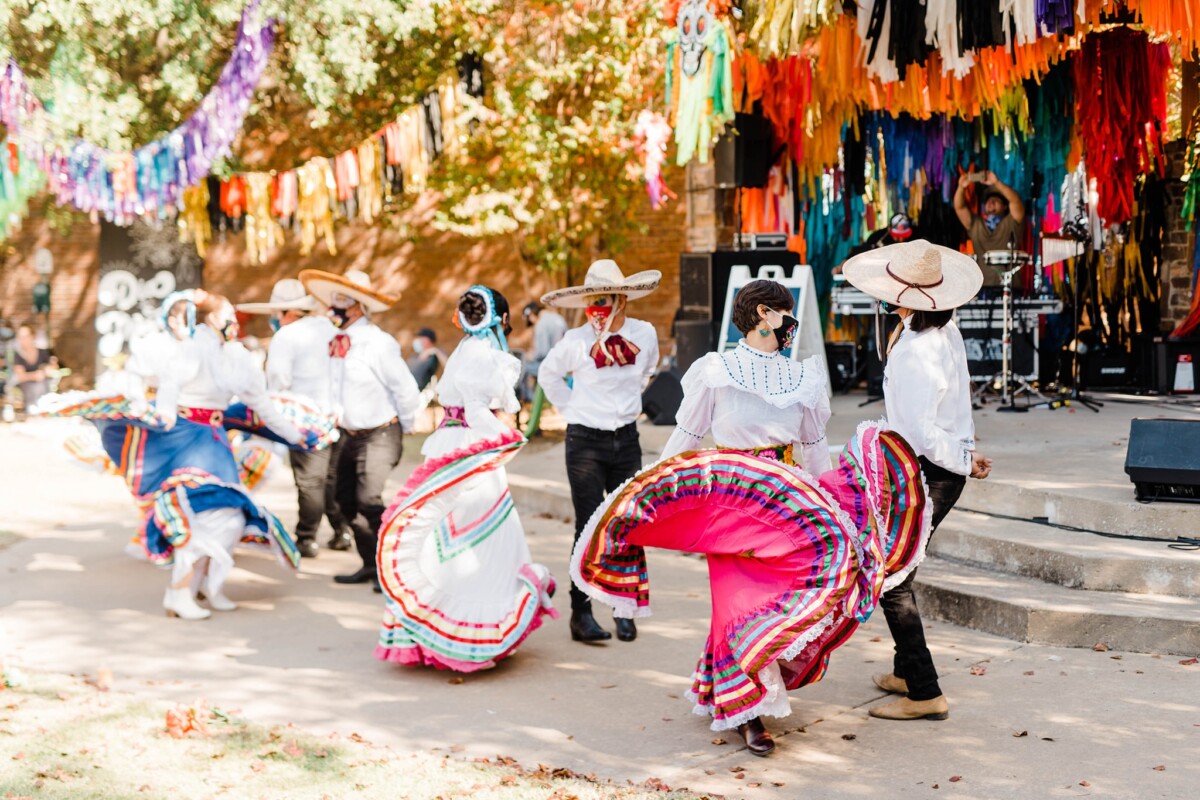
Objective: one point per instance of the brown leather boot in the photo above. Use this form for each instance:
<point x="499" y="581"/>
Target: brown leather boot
<point x="890" y="683"/>
<point x="906" y="709"/>
<point x="757" y="737"/>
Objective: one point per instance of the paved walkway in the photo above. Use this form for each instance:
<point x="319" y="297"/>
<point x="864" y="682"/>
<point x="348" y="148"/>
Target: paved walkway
<point x="1026" y="721"/>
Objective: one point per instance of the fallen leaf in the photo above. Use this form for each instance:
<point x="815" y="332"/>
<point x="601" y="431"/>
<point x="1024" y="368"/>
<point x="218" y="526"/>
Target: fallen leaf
<point x="293" y="750"/>
<point x="1084" y="783"/>
<point x="1115" y="658"/>
<point x="849" y="737"/>
<point x="667" y="719"/>
<point x="457" y="680"/>
<point x="955" y="778"/>
<point x="935" y="786"/>
<point x="718" y="741"/>
<point x="1161" y="768"/>
<point x="1187" y="662"/>
<point x="1019" y="734"/>
<point x="710" y="772"/>
<point x="754" y="785"/>
<point x="1029" y="672"/>
<point x="1100" y="647"/>
<point x="778" y="783"/>
<point x="1047" y="739"/>
<point x="741" y="775"/>
<point x="876" y="639"/>
<point x="979" y="669"/>
<point x="608" y="686"/>
<point x="737" y="769"/>
<point x="257" y="766"/>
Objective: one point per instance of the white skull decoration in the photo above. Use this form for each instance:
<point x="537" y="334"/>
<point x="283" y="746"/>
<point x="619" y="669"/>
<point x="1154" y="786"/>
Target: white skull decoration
<point x="694" y="21"/>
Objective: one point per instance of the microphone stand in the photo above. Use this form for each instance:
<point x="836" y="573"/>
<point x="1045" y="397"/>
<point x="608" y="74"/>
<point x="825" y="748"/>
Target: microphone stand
<point x="1082" y="230"/>
<point x="1008" y="398"/>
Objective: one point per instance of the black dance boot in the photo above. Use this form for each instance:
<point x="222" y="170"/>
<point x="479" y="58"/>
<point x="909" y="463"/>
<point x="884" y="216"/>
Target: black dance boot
<point x="626" y="629"/>
<point x="584" y="627"/>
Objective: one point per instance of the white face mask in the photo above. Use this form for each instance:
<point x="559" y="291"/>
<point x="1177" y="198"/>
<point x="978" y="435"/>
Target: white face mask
<point x="418" y="345"/>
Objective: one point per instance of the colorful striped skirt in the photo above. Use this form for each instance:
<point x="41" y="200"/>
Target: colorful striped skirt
<point x="795" y="564"/>
<point x="462" y="589"/>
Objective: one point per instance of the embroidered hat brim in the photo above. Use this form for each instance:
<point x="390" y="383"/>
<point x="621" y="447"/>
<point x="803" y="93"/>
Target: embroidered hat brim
<point x="917" y="275"/>
<point x="633" y="287"/>
<point x="324" y="285"/>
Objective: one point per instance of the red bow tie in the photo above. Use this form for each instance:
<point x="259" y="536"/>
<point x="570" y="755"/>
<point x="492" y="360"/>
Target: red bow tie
<point x="339" y="345"/>
<point x="615" y="351"/>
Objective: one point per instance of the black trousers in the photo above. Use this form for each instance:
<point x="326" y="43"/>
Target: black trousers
<point x="315" y="474"/>
<point x="913" y="661"/>
<point x="366" y="461"/>
<point x="597" y="463"/>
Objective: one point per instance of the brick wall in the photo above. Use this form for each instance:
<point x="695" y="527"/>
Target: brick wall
<point x="404" y="254"/>
<point x="72" y="285"/>
<point x="1178" y="249"/>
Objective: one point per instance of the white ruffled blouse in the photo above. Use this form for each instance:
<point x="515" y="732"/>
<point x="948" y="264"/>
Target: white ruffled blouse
<point x="479" y="378"/>
<point x="746" y="398"/>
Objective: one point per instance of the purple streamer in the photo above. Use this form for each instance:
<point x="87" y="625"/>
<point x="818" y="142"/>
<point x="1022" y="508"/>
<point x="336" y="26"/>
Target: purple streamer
<point x="87" y="176"/>
<point x="1055" y="16"/>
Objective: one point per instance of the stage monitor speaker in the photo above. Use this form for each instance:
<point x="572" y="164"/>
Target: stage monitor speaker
<point x="662" y="397"/>
<point x="693" y="338"/>
<point x="1176" y="366"/>
<point x="695" y="285"/>
<point x="1163" y="459"/>
<point x="704" y="281"/>
<point x="842" y="358"/>
<point x="742" y="155"/>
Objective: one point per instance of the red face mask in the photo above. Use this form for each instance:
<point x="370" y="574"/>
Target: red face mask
<point x="598" y="315"/>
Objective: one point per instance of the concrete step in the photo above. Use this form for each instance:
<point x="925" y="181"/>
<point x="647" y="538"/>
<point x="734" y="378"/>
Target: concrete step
<point x="1067" y="558"/>
<point x="541" y="496"/>
<point x="1028" y="610"/>
<point x="1101" y="509"/>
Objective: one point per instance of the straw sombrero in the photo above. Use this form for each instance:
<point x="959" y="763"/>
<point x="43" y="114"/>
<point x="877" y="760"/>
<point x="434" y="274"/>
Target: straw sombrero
<point x="604" y="277"/>
<point x="355" y="285"/>
<point x="288" y="294"/>
<point x="916" y="275"/>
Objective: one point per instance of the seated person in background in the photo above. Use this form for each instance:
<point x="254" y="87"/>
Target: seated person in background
<point x="426" y="359"/>
<point x="1002" y="224"/>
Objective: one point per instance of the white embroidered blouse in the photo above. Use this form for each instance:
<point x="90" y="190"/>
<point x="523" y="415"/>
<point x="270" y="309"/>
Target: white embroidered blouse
<point x="747" y="399"/>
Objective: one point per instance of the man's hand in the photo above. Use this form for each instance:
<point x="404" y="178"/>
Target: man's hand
<point x="981" y="466"/>
<point x="964" y="181"/>
<point x="990" y="178"/>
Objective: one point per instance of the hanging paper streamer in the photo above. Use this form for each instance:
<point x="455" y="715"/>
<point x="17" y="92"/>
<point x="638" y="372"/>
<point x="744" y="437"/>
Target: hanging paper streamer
<point x="20" y="179"/>
<point x="122" y="186"/>
<point x="652" y="134"/>
<point x="699" y="80"/>
<point x="1122" y="114"/>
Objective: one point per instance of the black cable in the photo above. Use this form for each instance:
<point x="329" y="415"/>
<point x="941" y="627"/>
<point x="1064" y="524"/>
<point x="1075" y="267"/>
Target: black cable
<point x="1179" y="543"/>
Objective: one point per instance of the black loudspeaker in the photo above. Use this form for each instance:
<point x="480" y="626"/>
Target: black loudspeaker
<point x="842" y="358"/>
<point x="742" y="155"/>
<point x="662" y="397"/>
<point x="1163" y="459"/>
<point x="693" y="338"/>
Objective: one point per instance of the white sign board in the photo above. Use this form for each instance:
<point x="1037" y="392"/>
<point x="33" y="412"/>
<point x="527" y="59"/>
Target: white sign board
<point x="809" y="340"/>
<point x="43" y="261"/>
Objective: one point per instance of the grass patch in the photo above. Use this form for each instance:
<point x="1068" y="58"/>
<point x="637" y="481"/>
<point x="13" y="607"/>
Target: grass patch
<point x="7" y="538"/>
<point x="63" y="737"/>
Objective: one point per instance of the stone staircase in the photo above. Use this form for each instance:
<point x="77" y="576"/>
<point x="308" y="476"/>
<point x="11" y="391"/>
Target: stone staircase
<point x="1034" y="582"/>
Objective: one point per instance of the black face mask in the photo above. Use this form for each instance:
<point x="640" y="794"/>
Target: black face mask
<point x="340" y="316"/>
<point x="786" y="331"/>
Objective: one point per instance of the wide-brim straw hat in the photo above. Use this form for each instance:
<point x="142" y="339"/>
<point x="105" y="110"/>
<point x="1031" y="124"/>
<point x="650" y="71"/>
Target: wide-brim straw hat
<point x="604" y="277"/>
<point x="355" y="285"/>
<point x="288" y="294"/>
<point x="917" y="275"/>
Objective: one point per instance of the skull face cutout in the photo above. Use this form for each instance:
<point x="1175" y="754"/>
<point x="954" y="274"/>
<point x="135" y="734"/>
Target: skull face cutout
<point x="694" y="21"/>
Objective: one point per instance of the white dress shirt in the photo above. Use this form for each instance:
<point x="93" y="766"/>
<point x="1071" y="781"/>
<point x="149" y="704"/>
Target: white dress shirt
<point x="372" y="383"/>
<point x="298" y="360"/>
<point x="927" y="392"/>
<point x="206" y="372"/>
<point x="747" y="398"/>
<point x="605" y="398"/>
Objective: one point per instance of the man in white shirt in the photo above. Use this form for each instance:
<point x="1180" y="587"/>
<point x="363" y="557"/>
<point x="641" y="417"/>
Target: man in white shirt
<point x="595" y="376"/>
<point x="378" y="399"/>
<point x="926" y="388"/>
<point x="299" y="363"/>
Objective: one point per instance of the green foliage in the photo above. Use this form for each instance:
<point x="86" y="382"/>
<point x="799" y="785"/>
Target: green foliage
<point x="550" y="155"/>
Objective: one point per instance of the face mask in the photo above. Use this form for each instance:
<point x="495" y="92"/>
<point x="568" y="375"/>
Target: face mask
<point x="229" y="331"/>
<point x="340" y="316"/>
<point x="598" y="316"/>
<point x="991" y="221"/>
<point x="418" y="345"/>
<point x="275" y="324"/>
<point x="786" y="331"/>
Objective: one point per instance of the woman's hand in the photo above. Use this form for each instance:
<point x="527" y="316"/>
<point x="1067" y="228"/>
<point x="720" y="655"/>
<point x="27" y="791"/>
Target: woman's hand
<point x="981" y="466"/>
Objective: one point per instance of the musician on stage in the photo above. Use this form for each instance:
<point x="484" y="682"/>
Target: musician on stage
<point x="1002" y="224"/>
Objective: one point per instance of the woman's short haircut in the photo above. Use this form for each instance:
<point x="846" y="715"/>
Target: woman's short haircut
<point x="771" y="294"/>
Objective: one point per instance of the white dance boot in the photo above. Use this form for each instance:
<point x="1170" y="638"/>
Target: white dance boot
<point x="217" y="600"/>
<point x="180" y="603"/>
